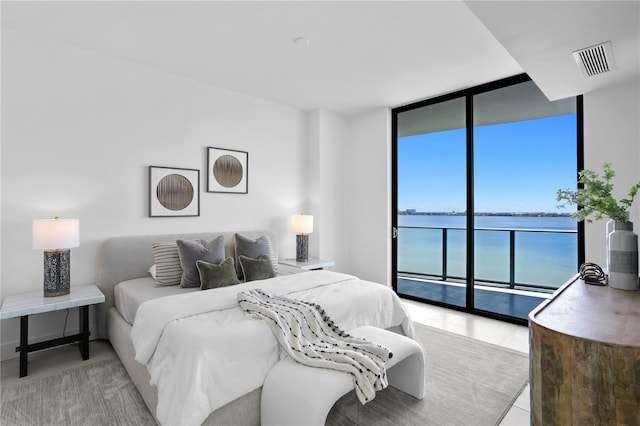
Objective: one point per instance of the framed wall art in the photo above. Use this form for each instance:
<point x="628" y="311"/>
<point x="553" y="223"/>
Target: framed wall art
<point x="174" y="192"/>
<point x="227" y="171"/>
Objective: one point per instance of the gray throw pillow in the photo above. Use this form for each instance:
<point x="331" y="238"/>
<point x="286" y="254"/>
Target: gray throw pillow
<point x="256" y="269"/>
<point x="214" y="276"/>
<point x="252" y="248"/>
<point x="190" y="253"/>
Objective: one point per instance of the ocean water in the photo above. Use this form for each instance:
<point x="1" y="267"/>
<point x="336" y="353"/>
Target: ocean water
<point x="541" y="258"/>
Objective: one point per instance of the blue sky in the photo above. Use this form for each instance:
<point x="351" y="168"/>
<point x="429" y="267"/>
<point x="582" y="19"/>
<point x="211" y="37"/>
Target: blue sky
<point x="518" y="167"/>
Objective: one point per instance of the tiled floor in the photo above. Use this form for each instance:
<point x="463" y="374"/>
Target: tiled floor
<point x="511" y="336"/>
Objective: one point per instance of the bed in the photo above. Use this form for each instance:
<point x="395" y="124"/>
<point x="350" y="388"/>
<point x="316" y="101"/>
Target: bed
<point x="178" y="335"/>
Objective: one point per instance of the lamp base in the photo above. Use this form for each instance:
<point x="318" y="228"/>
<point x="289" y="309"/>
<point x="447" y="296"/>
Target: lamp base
<point x="57" y="272"/>
<point x="302" y="247"/>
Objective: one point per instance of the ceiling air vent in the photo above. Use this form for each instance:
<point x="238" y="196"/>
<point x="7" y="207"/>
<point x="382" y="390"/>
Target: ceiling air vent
<point x="595" y="59"/>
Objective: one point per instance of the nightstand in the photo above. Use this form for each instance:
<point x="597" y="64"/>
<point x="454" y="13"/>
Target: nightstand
<point x="25" y="304"/>
<point x="311" y="264"/>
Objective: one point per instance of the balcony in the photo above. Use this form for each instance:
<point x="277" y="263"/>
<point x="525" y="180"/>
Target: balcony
<point x="515" y="269"/>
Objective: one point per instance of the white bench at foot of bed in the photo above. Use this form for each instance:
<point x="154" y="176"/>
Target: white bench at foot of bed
<point x="295" y="394"/>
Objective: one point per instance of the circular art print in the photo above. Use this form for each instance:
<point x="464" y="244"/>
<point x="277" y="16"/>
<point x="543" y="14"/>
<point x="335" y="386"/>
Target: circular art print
<point x="174" y="192"/>
<point x="228" y="171"/>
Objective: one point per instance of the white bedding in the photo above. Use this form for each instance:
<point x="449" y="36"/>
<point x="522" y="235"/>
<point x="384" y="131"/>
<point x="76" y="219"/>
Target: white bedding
<point x="129" y="295"/>
<point x="202" y="351"/>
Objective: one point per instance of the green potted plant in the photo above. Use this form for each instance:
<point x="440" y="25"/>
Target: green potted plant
<point x="594" y="199"/>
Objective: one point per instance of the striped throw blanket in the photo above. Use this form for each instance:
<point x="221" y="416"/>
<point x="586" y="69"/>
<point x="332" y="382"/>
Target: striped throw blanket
<point x="310" y="337"/>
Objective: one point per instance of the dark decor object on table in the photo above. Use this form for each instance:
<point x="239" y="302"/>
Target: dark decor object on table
<point x="56" y="236"/>
<point x="57" y="272"/>
<point x="302" y="247"/>
<point x="302" y="225"/>
<point x="592" y="274"/>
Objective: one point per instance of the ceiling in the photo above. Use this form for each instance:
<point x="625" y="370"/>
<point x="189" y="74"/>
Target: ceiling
<point x="541" y="36"/>
<point x="360" y="54"/>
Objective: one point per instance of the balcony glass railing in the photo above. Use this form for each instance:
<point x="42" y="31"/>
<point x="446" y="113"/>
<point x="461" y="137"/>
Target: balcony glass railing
<point x="531" y="259"/>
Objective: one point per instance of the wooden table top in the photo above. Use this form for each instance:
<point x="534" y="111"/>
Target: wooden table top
<point x="597" y="313"/>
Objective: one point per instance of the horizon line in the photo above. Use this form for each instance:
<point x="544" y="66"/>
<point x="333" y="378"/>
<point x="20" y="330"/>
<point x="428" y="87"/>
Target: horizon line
<point x="410" y="212"/>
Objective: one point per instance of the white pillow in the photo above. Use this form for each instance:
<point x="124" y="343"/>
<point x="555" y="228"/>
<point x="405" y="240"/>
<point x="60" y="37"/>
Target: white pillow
<point x="152" y="271"/>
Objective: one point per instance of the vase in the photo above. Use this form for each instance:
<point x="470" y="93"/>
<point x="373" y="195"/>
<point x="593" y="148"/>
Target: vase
<point x="608" y="230"/>
<point x="622" y="257"/>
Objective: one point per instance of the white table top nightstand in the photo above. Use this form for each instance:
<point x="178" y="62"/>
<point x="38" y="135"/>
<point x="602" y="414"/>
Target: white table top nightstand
<point x="313" y="263"/>
<point x="25" y="304"/>
<point x="34" y="302"/>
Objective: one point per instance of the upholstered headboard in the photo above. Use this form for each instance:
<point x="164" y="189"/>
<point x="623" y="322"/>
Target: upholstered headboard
<point x="126" y="258"/>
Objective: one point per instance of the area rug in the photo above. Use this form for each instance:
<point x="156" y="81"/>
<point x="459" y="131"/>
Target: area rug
<point x="468" y="382"/>
<point x="99" y="393"/>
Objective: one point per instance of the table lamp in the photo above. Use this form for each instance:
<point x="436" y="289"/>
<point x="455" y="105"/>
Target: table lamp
<point x="302" y="225"/>
<point x="56" y="236"/>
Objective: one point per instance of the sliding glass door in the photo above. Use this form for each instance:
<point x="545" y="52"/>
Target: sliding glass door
<point x="432" y="200"/>
<point x="474" y="211"/>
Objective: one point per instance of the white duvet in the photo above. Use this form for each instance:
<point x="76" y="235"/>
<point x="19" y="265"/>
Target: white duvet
<point x="202" y="351"/>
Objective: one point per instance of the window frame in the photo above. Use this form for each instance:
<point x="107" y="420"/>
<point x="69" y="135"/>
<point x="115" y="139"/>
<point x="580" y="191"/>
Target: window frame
<point x="468" y="94"/>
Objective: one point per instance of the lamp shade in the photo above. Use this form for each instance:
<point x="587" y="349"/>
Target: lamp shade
<point x="52" y="234"/>
<point x="302" y="223"/>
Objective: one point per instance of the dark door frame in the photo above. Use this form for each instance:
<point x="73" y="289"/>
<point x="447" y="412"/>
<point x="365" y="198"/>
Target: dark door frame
<point x="468" y="94"/>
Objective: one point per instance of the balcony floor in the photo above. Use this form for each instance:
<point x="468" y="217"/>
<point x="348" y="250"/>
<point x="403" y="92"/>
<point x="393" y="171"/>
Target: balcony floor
<point x="515" y="304"/>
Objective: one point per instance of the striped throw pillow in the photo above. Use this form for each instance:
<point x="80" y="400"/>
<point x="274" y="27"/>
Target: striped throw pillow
<point x="167" y="261"/>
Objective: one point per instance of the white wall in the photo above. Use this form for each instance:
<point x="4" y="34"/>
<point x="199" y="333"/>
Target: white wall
<point x="612" y="134"/>
<point x="370" y="195"/>
<point x="79" y="131"/>
<point x="329" y="187"/>
<point x="313" y="191"/>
